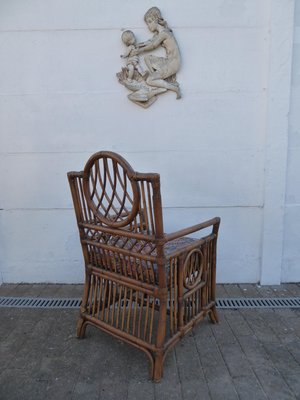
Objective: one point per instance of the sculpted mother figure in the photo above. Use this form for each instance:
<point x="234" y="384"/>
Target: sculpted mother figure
<point x="160" y="67"/>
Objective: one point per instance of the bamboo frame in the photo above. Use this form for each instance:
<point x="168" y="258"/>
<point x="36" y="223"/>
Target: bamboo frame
<point x="143" y="286"/>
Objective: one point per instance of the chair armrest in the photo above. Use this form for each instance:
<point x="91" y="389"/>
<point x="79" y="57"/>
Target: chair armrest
<point x="214" y="222"/>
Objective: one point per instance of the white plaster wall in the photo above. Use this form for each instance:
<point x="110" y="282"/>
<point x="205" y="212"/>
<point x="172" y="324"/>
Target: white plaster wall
<point x="291" y="254"/>
<point x="60" y="101"/>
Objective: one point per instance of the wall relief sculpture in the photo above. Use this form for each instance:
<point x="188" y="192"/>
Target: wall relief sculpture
<point x="150" y="75"/>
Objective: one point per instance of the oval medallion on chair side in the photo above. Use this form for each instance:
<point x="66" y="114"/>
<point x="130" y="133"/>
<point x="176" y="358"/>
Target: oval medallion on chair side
<point x="193" y="269"/>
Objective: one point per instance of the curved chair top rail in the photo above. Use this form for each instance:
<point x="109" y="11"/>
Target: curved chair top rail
<point x="110" y="189"/>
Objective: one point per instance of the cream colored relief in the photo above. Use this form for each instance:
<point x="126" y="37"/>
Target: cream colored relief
<point x="149" y="75"/>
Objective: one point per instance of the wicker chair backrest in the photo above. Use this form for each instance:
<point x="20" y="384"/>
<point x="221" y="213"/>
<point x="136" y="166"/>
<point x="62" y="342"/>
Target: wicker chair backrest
<point x="110" y="189"/>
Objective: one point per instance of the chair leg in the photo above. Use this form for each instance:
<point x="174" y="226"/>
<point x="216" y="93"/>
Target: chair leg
<point x="81" y="327"/>
<point x="213" y="315"/>
<point x="158" y="367"/>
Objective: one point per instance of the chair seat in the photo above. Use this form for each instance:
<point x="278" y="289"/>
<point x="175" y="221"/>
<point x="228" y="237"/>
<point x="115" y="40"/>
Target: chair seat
<point x="143" y="269"/>
<point x="177" y="244"/>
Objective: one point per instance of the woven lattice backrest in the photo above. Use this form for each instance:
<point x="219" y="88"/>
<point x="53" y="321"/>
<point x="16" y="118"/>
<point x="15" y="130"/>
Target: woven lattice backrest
<point x="110" y="190"/>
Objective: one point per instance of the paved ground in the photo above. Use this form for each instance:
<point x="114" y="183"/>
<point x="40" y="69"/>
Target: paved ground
<point x="251" y="354"/>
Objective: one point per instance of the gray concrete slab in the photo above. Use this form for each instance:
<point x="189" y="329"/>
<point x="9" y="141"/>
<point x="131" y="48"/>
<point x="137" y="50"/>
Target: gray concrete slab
<point x="251" y="354"/>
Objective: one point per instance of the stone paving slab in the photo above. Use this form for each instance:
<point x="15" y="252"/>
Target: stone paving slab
<point x="250" y="354"/>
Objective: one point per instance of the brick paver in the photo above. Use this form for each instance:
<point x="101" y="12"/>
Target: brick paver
<point x="251" y="354"/>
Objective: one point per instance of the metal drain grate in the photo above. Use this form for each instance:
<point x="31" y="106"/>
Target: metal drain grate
<point x="273" y="302"/>
<point x="34" y="302"/>
<point x="224" y="303"/>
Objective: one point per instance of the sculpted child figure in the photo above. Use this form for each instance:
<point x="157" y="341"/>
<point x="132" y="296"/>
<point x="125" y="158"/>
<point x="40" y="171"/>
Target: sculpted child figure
<point x="160" y="68"/>
<point x="132" y="61"/>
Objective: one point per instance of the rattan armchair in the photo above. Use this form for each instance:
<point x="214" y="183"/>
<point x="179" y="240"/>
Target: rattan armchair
<point x="143" y="286"/>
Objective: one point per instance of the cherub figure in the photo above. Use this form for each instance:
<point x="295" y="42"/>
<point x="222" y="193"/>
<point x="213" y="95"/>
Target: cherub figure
<point x="132" y="60"/>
